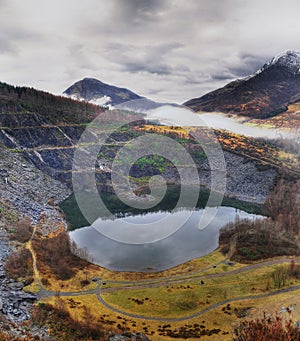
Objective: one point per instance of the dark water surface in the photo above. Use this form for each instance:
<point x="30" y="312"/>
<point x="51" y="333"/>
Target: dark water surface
<point x="169" y="249"/>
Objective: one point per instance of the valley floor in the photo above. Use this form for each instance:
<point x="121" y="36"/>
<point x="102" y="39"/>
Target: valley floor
<point x="205" y="298"/>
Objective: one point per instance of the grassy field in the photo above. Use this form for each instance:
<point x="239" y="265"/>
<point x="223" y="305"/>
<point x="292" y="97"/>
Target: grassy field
<point x="176" y="300"/>
<point x="225" y="317"/>
<point x="208" y="288"/>
<point x="204" y="282"/>
<point x="155" y="330"/>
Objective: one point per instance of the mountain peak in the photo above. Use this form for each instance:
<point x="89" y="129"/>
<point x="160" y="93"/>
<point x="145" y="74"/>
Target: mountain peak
<point x="264" y="94"/>
<point x="289" y="59"/>
<point x="97" y="92"/>
<point x="90" y="79"/>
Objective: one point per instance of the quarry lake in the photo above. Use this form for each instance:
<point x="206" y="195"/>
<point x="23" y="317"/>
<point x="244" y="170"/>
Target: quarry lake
<point x="176" y="247"/>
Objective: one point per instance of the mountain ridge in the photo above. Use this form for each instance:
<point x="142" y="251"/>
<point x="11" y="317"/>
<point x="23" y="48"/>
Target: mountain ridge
<point x="264" y="94"/>
<point x="93" y="90"/>
<point x="97" y="92"/>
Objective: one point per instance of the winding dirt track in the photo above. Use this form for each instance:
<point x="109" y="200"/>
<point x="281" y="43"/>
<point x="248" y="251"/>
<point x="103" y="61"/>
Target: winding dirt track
<point x="122" y="285"/>
<point x="200" y="312"/>
<point x="180" y="279"/>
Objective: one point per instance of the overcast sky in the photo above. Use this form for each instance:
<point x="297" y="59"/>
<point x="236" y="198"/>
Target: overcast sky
<point x="167" y="50"/>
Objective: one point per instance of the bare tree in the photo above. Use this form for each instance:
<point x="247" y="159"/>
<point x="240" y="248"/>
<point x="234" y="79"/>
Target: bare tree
<point x="280" y="276"/>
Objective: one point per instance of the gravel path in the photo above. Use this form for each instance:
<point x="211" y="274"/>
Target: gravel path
<point x="44" y="293"/>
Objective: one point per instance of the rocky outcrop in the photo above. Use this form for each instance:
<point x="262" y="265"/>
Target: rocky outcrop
<point x="14" y="302"/>
<point x="245" y="181"/>
<point x="42" y="140"/>
<point x="30" y="190"/>
<point x="50" y="148"/>
<point x="53" y="156"/>
<point x="27" y="191"/>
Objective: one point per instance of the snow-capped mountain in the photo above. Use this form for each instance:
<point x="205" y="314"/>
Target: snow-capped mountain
<point x="289" y="59"/>
<point x="265" y="94"/>
<point x="96" y="92"/>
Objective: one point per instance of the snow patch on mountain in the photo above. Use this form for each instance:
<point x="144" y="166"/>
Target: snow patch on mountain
<point x="289" y="59"/>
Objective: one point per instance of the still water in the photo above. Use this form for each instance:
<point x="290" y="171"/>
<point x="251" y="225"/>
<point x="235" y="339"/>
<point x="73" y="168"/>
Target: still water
<point x="187" y="243"/>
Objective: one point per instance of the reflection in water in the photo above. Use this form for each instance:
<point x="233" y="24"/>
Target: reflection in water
<point x="187" y="243"/>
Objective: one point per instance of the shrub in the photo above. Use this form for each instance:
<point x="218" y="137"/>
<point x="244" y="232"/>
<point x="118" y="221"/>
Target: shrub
<point x="23" y="230"/>
<point x="57" y="253"/>
<point x="256" y="240"/>
<point x="19" y="264"/>
<point x="267" y="329"/>
<point x="284" y="205"/>
<point x="280" y="276"/>
<point x="64" y="326"/>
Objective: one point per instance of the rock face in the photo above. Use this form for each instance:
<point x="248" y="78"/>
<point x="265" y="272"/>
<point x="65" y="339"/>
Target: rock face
<point x="41" y="132"/>
<point x="14" y="302"/>
<point x="43" y="127"/>
<point x="265" y="94"/>
<point x="32" y="193"/>
<point x="244" y="180"/>
<point x="28" y="188"/>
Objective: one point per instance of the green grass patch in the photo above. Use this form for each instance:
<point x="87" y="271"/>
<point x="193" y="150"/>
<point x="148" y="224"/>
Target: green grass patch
<point x="176" y="300"/>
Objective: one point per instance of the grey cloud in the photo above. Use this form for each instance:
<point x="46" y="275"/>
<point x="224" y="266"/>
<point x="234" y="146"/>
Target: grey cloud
<point x="5" y="44"/>
<point x="156" y="91"/>
<point x="252" y="58"/>
<point x="150" y="59"/>
<point x="11" y="37"/>
<point x="216" y="10"/>
<point x="160" y="69"/>
<point x="79" y="56"/>
<point x="162" y="49"/>
<point x="127" y="17"/>
<point x="247" y="65"/>
<point x="241" y="71"/>
<point x="255" y="61"/>
<point x="3" y="3"/>
<point x="221" y="76"/>
<point x="9" y="40"/>
<point x="193" y="81"/>
<point x="185" y="47"/>
<point x="138" y="11"/>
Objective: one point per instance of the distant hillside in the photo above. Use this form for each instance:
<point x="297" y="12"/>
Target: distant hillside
<point x="93" y="90"/>
<point x="56" y="109"/>
<point x="265" y="94"/>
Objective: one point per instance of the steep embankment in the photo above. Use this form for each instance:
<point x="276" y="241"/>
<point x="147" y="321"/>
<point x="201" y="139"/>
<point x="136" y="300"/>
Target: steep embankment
<point x="29" y="189"/>
<point x="44" y="130"/>
<point x="24" y="191"/>
<point x="43" y="127"/>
